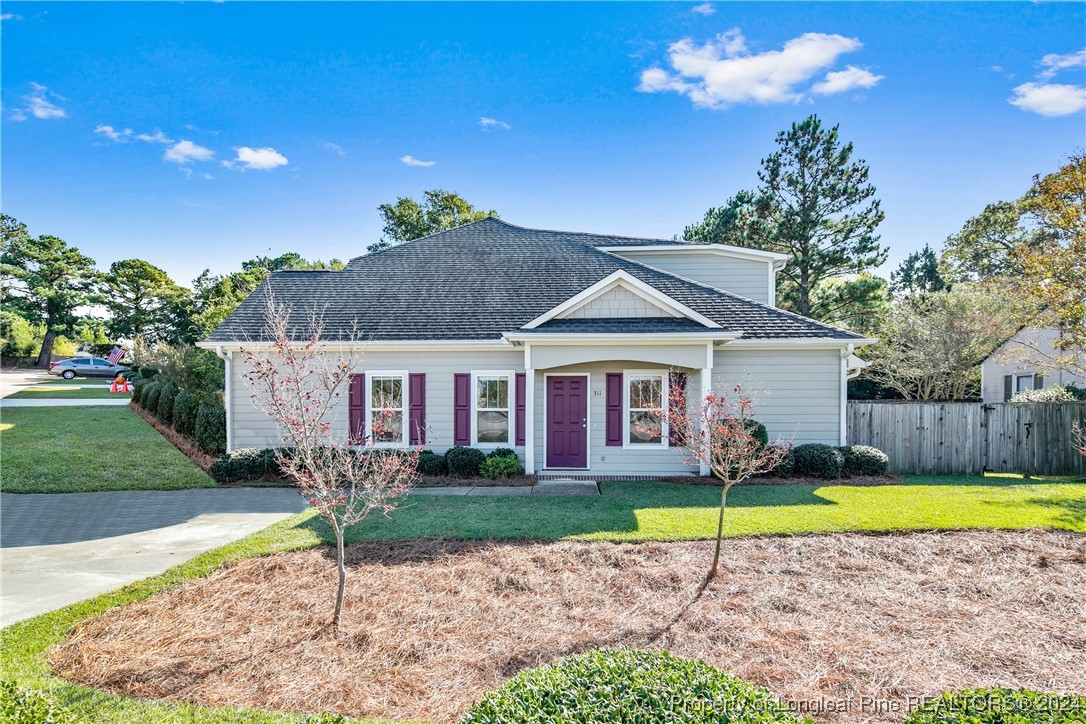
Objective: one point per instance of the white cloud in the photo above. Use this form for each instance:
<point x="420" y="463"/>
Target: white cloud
<point x="704" y="9"/>
<point x="1053" y="63"/>
<point x="412" y="161"/>
<point x="848" y="79"/>
<point x="18" y="114"/>
<point x="1049" y="99"/>
<point x="207" y="177"/>
<point x="41" y="103"/>
<point x="10" y="16"/>
<point x="723" y="72"/>
<point x="156" y="137"/>
<point x="186" y="152"/>
<point x="334" y="147"/>
<point x="489" y="123"/>
<point x="113" y="134"/>
<point x="256" y="159"/>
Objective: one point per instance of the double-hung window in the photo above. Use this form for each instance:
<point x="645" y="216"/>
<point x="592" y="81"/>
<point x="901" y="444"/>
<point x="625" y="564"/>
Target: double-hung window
<point x="386" y="409"/>
<point x="491" y="422"/>
<point x="646" y="405"/>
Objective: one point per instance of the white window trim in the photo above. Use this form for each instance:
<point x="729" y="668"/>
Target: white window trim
<point x="405" y="402"/>
<point x="1018" y="377"/>
<point x="665" y="395"/>
<point x="510" y="400"/>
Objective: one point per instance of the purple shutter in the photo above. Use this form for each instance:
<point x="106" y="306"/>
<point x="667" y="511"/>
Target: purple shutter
<point x="614" y="408"/>
<point x="678" y="396"/>
<point x="416" y="418"/>
<point x="521" y="402"/>
<point x="356" y="401"/>
<point x="462" y="409"/>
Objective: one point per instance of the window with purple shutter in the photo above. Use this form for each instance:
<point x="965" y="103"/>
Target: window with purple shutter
<point x="521" y="403"/>
<point x="416" y="418"/>
<point x="614" y="408"/>
<point x="356" y="402"/>
<point x="678" y="397"/>
<point x="462" y="408"/>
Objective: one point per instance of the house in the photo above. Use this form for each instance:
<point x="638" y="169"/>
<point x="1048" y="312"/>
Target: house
<point x="556" y="344"/>
<point x="1029" y="360"/>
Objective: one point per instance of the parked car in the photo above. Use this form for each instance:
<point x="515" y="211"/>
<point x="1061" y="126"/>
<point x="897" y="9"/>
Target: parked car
<point x="69" y="369"/>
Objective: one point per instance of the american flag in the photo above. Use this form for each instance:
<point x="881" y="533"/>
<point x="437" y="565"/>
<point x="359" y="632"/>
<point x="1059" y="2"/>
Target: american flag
<point x="115" y="355"/>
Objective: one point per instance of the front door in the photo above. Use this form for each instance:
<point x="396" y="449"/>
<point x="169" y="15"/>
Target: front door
<point x="567" y="421"/>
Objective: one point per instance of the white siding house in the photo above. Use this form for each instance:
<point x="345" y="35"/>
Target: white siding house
<point x="1028" y="361"/>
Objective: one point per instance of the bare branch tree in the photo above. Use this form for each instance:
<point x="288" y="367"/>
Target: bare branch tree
<point x="298" y="383"/>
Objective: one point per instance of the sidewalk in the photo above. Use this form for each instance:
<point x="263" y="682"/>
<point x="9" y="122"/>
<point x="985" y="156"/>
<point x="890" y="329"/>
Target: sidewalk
<point x="62" y="403"/>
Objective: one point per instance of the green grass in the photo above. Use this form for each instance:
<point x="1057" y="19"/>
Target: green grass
<point x="625" y="511"/>
<point x="67" y="392"/>
<point x="81" y="449"/>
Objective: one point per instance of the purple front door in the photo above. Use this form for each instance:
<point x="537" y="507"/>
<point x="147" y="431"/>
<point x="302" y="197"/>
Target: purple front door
<point x="567" y="422"/>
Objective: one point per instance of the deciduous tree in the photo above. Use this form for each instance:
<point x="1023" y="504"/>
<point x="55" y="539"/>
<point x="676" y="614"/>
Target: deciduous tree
<point x="407" y="219"/>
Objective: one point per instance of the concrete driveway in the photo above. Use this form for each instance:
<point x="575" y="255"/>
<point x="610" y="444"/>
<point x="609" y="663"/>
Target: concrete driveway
<point x="60" y="549"/>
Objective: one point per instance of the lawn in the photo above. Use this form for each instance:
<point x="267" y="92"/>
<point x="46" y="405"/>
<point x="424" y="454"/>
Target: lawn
<point x="82" y="449"/>
<point x="67" y="392"/>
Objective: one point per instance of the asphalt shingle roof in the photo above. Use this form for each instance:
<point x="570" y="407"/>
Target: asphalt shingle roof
<point x="482" y="279"/>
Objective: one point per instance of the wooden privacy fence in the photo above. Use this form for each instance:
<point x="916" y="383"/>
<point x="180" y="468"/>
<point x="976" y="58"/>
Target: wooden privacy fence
<point x="955" y="438"/>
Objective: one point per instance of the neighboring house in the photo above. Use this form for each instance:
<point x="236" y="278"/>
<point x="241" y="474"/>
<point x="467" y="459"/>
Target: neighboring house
<point x="555" y="344"/>
<point x="1027" y="361"/>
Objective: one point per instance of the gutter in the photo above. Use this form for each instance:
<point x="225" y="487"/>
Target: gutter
<point x="227" y="358"/>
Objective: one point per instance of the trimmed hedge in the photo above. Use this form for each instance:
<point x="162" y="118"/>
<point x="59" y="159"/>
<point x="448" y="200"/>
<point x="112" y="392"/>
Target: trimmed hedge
<point x="164" y="409"/>
<point x="185" y="407"/>
<point x="786" y="467"/>
<point x="147" y="372"/>
<point x="149" y="398"/>
<point x="138" y="386"/>
<point x="501" y="452"/>
<point x="211" y="428"/>
<point x="626" y="685"/>
<point x="464" y="462"/>
<point x="816" y="460"/>
<point x="430" y="463"/>
<point x="864" y="460"/>
<point x="758" y="432"/>
<point x="1000" y="706"/>
<point x="502" y="466"/>
<point x="245" y="464"/>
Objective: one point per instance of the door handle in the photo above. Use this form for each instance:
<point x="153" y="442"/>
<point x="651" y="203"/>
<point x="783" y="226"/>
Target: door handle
<point x="584" y="423"/>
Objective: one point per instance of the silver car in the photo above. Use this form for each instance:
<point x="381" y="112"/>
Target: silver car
<point x="86" y="367"/>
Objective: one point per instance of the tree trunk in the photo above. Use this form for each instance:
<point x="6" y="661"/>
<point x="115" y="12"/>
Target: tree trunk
<point x="342" y="575"/>
<point x="45" y="356"/>
<point x="719" y="532"/>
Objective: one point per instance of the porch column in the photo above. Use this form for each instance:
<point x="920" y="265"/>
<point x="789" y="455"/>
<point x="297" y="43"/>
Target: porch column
<point x="529" y="421"/>
<point x="706" y="388"/>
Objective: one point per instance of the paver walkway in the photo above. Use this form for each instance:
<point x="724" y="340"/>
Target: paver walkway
<point x="62" y="548"/>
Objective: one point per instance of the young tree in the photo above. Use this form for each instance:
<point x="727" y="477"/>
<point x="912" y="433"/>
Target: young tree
<point x="298" y="383"/>
<point x="46" y="281"/>
<point x="815" y="204"/>
<point x="407" y="219"/>
<point x="143" y="301"/>
<point x="917" y="274"/>
<point x="720" y="432"/>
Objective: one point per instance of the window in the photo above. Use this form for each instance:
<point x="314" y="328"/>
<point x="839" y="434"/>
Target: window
<point x="492" y="408"/>
<point x="388" y="392"/>
<point x="1023" y="383"/>
<point x="646" y="397"/>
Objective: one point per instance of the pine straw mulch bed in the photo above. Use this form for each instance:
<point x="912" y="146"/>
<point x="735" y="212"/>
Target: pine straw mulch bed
<point x="432" y="624"/>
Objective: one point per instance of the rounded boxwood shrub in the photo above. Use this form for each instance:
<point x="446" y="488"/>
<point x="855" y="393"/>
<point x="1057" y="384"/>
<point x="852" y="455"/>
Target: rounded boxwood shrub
<point x="501" y="452"/>
<point x="865" y="460"/>
<point x="138" y="386"/>
<point x="500" y="467"/>
<point x="211" y="427"/>
<point x="244" y="465"/>
<point x="1000" y="706"/>
<point x="185" y="406"/>
<point x="758" y="432"/>
<point x="430" y="463"/>
<point x="464" y="462"/>
<point x="149" y="398"/>
<point x="147" y="372"/>
<point x="626" y="685"/>
<point x="786" y="467"/>
<point x="164" y="409"/>
<point x="815" y="460"/>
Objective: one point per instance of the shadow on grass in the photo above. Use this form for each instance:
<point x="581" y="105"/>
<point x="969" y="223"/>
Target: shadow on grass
<point x="990" y="480"/>
<point x="1071" y="511"/>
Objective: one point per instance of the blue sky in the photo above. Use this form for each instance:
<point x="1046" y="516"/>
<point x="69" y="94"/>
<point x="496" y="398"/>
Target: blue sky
<point x="269" y="127"/>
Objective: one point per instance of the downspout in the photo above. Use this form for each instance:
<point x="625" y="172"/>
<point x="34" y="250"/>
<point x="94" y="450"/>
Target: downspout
<point x="227" y="359"/>
<point x="845" y="354"/>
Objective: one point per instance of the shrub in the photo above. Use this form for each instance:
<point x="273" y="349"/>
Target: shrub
<point x="864" y="460"/>
<point x="626" y="685"/>
<point x="147" y="372"/>
<point x="500" y="467"/>
<point x="164" y="409"/>
<point x="501" y="452"/>
<point x="786" y="468"/>
<point x="185" y="406"/>
<point x="758" y="432"/>
<point x="245" y="464"/>
<point x="464" y="462"/>
<point x="21" y="706"/>
<point x="1055" y="393"/>
<point x="430" y="463"/>
<point x="1000" y="706"/>
<point x="815" y="460"/>
<point x="138" y="387"/>
<point x="211" y="427"/>
<point x="149" y="398"/>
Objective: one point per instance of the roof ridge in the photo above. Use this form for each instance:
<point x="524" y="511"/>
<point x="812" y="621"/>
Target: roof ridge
<point x="733" y="295"/>
<point x="423" y="238"/>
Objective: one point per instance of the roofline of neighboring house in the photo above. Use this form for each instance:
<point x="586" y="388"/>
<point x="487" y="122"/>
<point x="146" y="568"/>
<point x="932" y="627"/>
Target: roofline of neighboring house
<point x="804" y="342"/>
<point x="779" y="260"/>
